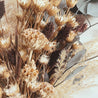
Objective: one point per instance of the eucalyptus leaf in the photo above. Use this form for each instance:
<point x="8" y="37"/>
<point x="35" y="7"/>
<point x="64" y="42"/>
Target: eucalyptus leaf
<point x="88" y="7"/>
<point x="74" y="72"/>
<point x="76" y="58"/>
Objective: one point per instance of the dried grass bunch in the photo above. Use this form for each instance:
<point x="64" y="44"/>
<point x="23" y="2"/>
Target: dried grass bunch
<point x="45" y="41"/>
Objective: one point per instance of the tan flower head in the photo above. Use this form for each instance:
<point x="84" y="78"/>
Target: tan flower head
<point x="24" y="3"/>
<point x="40" y="5"/>
<point x="71" y="3"/>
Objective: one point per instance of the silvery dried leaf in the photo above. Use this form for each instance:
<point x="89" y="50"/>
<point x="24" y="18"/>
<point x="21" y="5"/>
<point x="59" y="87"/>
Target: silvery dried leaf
<point x="72" y="74"/>
<point x="76" y="59"/>
<point x="88" y="7"/>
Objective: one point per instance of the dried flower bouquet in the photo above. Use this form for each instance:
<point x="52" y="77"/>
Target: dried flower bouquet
<point x="43" y="47"/>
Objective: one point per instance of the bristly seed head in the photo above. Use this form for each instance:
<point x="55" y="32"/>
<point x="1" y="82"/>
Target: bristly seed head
<point x="24" y="3"/>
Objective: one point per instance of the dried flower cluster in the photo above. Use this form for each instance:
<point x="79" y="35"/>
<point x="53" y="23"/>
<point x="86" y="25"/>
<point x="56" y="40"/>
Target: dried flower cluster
<point x="36" y="55"/>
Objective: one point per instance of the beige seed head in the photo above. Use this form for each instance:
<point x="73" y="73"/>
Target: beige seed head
<point x="71" y="36"/>
<point x="55" y="2"/>
<point x="60" y="20"/>
<point x="71" y="3"/>
<point x="40" y="5"/>
<point x="72" y="21"/>
<point x="76" y="45"/>
<point x="24" y="3"/>
<point x="52" y="10"/>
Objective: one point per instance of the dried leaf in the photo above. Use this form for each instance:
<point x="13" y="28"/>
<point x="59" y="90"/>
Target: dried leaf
<point x="72" y="74"/>
<point x="76" y="59"/>
<point x="88" y="7"/>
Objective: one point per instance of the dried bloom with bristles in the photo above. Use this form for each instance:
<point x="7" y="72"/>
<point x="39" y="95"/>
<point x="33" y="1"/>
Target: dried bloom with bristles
<point x="55" y="2"/>
<point x="24" y="3"/>
<point x="12" y="91"/>
<point x="1" y="92"/>
<point x="35" y="40"/>
<point x="40" y="5"/>
<point x="52" y="10"/>
<point x="60" y="20"/>
<point x="72" y="21"/>
<point x="71" y="36"/>
<point x="71" y="3"/>
<point x="5" y="43"/>
<point x="76" y="45"/>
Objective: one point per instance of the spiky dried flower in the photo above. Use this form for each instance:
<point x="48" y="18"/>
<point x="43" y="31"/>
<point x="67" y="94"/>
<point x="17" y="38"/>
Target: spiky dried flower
<point x="52" y="10"/>
<point x="60" y="20"/>
<point x="24" y="3"/>
<point x="72" y="22"/>
<point x="40" y="5"/>
<point x="71" y="36"/>
<point x="71" y="3"/>
<point x="55" y="2"/>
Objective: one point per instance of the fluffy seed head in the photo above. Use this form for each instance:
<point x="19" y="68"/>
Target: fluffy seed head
<point x="44" y="59"/>
<point x="12" y="90"/>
